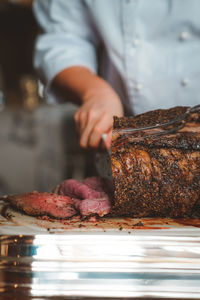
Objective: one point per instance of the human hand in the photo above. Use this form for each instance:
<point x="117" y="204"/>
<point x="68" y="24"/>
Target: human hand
<point x="98" y="104"/>
<point x="95" y="116"/>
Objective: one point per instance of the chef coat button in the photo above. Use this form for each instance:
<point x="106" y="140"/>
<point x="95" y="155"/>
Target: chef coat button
<point x="184" y="36"/>
<point x="136" y="42"/>
<point x="138" y="87"/>
<point x="184" y="81"/>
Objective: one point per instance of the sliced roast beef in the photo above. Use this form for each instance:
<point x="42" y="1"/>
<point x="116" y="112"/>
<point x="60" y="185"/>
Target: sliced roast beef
<point x="80" y="190"/>
<point x="38" y="204"/>
<point x="103" y="185"/>
<point x="89" y="196"/>
<point x="95" y="183"/>
<point x="100" y="206"/>
<point x="76" y="203"/>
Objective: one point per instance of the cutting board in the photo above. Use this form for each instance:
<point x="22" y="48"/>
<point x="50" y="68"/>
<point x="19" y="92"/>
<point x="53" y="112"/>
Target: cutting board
<point x="16" y="222"/>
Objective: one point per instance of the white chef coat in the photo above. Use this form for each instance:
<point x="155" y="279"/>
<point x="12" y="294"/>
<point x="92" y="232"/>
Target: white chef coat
<point x="151" y="48"/>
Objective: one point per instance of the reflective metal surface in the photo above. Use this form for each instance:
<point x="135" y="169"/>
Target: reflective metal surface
<point x="43" y="258"/>
<point x="100" y="265"/>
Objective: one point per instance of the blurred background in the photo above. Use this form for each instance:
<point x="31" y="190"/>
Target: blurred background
<point x="38" y="145"/>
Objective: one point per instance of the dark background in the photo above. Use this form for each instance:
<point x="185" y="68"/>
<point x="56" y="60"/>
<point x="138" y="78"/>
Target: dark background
<point x="18" y="31"/>
<point x="38" y="144"/>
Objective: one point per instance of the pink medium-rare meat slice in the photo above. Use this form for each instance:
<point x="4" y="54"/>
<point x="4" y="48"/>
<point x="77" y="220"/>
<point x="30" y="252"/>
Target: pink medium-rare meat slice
<point x="51" y="204"/>
<point x="100" y="184"/>
<point x="89" y="197"/>
<point x="86" y="207"/>
<point x="76" y="203"/>
<point x="100" y="207"/>
<point x="95" y="183"/>
<point x="80" y="190"/>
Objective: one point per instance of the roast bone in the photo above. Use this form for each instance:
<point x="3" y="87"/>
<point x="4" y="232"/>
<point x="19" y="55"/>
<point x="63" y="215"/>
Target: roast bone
<point x="156" y="170"/>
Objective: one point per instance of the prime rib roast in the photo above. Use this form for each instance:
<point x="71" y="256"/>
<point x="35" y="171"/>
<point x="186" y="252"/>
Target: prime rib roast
<point x="156" y="173"/>
<point x="156" y="170"/>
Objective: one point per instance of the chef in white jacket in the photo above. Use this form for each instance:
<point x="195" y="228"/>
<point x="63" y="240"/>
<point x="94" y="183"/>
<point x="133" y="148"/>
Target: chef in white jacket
<point x="116" y="57"/>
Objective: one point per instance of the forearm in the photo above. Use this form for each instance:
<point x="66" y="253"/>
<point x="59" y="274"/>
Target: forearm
<point x="78" y="83"/>
<point x="98" y="103"/>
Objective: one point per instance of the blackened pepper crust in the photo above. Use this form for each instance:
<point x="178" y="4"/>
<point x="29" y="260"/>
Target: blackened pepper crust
<point x="149" y="118"/>
<point x="158" y="177"/>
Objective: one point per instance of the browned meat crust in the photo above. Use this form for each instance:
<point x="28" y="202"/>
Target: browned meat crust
<point x="156" y="176"/>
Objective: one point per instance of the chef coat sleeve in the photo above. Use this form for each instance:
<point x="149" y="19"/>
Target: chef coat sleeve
<point x="67" y="39"/>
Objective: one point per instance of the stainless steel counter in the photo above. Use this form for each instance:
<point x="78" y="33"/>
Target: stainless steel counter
<point x="100" y="265"/>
